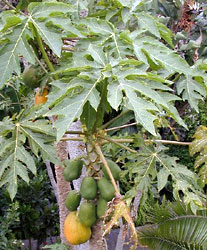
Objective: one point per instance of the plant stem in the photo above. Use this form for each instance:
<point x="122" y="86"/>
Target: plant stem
<point x="171" y="142"/>
<point x="120" y="127"/>
<point x="121" y="140"/>
<point x="114" y="119"/>
<point x="10" y="5"/>
<point x="161" y="141"/>
<point x="118" y="144"/>
<point x="71" y="139"/>
<point x="74" y="132"/>
<point x="44" y="54"/>
<point x="99" y="152"/>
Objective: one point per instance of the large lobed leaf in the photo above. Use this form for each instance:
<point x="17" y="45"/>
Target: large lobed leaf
<point x="109" y="56"/>
<point x="48" y="18"/>
<point x="199" y="145"/>
<point x="151" y="165"/>
<point x="15" y="158"/>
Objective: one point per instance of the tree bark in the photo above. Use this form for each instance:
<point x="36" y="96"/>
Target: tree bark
<point x="63" y="187"/>
<point x="75" y="149"/>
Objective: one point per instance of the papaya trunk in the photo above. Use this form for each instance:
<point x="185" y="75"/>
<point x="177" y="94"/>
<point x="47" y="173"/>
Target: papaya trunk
<point x="76" y="149"/>
<point x="63" y="187"/>
<point x="97" y="241"/>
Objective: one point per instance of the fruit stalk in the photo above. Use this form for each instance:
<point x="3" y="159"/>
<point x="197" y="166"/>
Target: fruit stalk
<point x="99" y="152"/>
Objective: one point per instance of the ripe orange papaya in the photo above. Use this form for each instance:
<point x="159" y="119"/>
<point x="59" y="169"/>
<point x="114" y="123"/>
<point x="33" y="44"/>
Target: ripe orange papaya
<point x="75" y="232"/>
<point x="40" y="99"/>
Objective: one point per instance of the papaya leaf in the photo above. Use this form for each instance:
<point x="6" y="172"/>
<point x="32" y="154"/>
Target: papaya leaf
<point x="191" y="90"/>
<point x="147" y="23"/>
<point x="49" y="19"/>
<point x="39" y="135"/>
<point x="70" y="108"/>
<point x="199" y="145"/>
<point x="152" y="165"/>
<point x="162" y="55"/>
<point x="122" y="211"/>
<point x="88" y="116"/>
<point x="15" y="44"/>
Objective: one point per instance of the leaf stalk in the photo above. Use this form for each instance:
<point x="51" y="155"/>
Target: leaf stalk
<point x="118" y="144"/>
<point x="44" y="54"/>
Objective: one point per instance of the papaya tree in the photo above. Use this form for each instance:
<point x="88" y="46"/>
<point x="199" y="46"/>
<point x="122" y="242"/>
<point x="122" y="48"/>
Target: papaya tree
<point x="96" y="60"/>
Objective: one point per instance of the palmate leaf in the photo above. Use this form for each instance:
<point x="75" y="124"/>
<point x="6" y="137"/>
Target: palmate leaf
<point x="15" y="44"/>
<point x="128" y="79"/>
<point x="72" y="105"/>
<point x="20" y="160"/>
<point x="49" y="19"/>
<point x="144" y="108"/>
<point x="152" y="165"/>
<point x="199" y="145"/>
<point x="149" y="47"/>
<point x="191" y="90"/>
<point x="146" y="22"/>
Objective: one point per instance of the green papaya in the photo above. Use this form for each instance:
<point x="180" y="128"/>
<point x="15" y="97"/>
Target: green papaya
<point x="32" y="76"/>
<point x="72" y="170"/>
<point x="106" y="189"/>
<point x="72" y="200"/>
<point x="88" y="188"/>
<point x="87" y="213"/>
<point x="115" y="170"/>
<point x="101" y="207"/>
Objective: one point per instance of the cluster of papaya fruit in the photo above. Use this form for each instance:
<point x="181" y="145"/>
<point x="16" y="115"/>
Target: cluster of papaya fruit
<point x="96" y="193"/>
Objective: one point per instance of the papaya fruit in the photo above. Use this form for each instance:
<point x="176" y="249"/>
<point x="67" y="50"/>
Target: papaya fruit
<point x="40" y="99"/>
<point x="72" y="200"/>
<point x="101" y="207"/>
<point x="88" y="188"/>
<point x="87" y="213"/>
<point x="106" y="189"/>
<point x="31" y="76"/>
<point x="115" y="170"/>
<point x="75" y="232"/>
<point x="72" y="170"/>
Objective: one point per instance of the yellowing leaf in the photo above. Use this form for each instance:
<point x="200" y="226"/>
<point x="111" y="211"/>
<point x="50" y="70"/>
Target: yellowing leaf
<point x="122" y="211"/>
